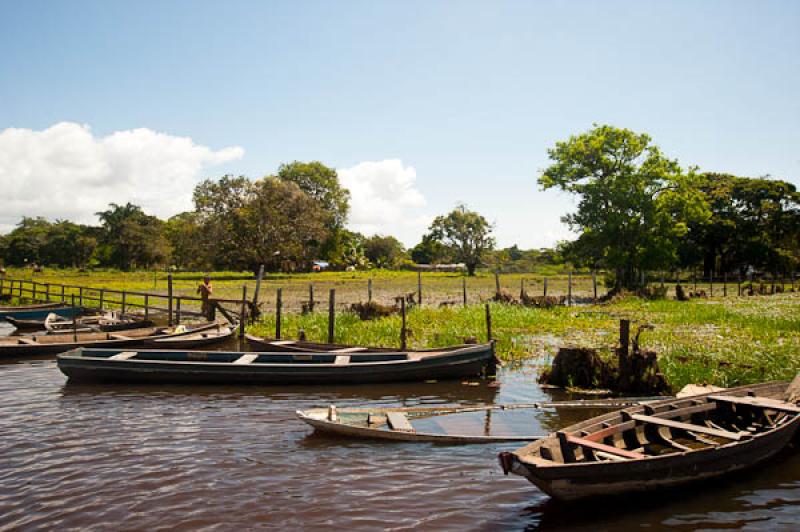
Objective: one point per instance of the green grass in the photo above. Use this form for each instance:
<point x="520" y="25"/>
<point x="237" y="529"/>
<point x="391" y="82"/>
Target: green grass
<point x="723" y="340"/>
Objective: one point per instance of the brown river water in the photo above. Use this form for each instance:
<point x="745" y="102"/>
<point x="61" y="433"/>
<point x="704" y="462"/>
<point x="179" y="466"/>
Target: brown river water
<point x="117" y="457"/>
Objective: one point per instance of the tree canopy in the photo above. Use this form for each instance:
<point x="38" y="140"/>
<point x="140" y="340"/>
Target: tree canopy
<point x="464" y="234"/>
<point x="634" y="204"/>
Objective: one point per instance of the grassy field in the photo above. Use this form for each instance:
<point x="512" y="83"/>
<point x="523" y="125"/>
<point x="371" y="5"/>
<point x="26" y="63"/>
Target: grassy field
<point x="721" y="340"/>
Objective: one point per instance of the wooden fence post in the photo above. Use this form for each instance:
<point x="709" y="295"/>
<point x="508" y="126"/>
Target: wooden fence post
<point x="624" y="335"/>
<point x="169" y="300"/>
<point x="63" y="298"/>
<point x="569" y="289"/>
<point x="74" y="320"/>
<point x="331" y="314"/>
<point x="33" y="287"/>
<point x="544" y="288"/>
<point x="258" y="285"/>
<point x="725" y="284"/>
<point x="310" y="297"/>
<point x="497" y="284"/>
<point x="464" y="290"/>
<point x="102" y="296"/>
<point x="739" y="284"/>
<point x="47" y="292"/>
<point x="124" y="298"/>
<point x="80" y="295"/>
<point x="403" y="324"/>
<point x="711" y="285"/>
<point x="521" y="289"/>
<point x="146" y="307"/>
<point x="369" y="290"/>
<point x="278" y="308"/>
<point x="419" y="288"/>
<point x="242" y="311"/>
<point x="177" y="309"/>
<point x="594" y="284"/>
<point x="488" y="323"/>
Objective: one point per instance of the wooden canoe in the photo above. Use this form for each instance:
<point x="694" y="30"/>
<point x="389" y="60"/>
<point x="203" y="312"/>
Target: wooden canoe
<point x="217" y="367"/>
<point x="659" y="445"/>
<point x="38" y="312"/>
<point x="271" y="345"/>
<point x="51" y="344"/>
<point x="397" y="424"/>
<point x="100" y="323"/>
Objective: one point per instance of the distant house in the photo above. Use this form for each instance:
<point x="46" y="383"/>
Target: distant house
<point x="320" y="265"/>
<point x="453" y="268"/>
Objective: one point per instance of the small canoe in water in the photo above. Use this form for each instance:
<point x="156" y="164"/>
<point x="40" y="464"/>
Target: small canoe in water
<point x="51" y="344"/>
<point x="662" y="444"/>
<point x="473" y="424"/>
<point x="39" y="312"/>
<point x="219" y="367"/>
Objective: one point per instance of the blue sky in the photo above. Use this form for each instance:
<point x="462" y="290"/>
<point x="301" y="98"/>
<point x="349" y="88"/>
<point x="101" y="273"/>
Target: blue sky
<point x="460" y="100"/>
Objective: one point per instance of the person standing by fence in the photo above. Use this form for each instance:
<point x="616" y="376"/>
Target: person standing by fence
<point x="205" y="289"/>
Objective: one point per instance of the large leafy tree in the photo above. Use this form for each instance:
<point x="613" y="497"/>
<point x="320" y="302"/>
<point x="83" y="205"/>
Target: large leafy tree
<point x="132" y="239"/>
<point x="633" y="202"/>
<point x="25" y="244"/>
<point x="269" y="221"/>
<point x="321" y="183"/>
<point x="755" y="222"/>
<point x="466" y="234"/>
<point x="68" y="244"/>
<point x="185" y="235"/>
<point x="383" y="251"/>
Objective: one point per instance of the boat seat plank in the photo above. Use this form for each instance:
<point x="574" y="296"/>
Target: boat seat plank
<point x="27" y="341"/>
<point x="119" y="337"/>
<point x="342" y="360"/>
<point x="763" y="402"/>
<point x="246" y="359"/>
<point x="349" y="350"/>
<point x="399" y="421"/>
<point x="595" y="446"/>
<point x="600" y="435"/>
<point x="283" y="342"/>
<point x="125" y="355"/>
<point x="689" y="427"/>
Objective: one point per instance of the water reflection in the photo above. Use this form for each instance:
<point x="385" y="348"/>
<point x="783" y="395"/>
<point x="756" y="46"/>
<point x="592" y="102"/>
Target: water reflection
<point x="189" y="457"/>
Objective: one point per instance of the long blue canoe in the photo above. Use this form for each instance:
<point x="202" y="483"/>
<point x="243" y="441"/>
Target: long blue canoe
<point x="38" y="312"/>
<point x="335" y="367"/>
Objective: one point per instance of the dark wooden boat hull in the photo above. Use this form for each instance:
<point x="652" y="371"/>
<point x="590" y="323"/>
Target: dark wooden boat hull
<point x="54" y="348"/>
<point x="272" y="345"/>
<point x="40" y="313"/>
<point x="591" y="479"/>
<point x="465" y="362"/>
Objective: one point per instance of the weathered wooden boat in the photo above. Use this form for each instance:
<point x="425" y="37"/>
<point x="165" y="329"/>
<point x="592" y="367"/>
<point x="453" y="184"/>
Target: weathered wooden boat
<point x="109" y="322"/>
<point x="438" y="424"/>
<point x="192" y="339"/>
<point x="274" y="368"/>
<point x="271" y="345"/>
<point x="39" y="312"/>
<point x="49" y="344"/>
<point x="660" y="445"/>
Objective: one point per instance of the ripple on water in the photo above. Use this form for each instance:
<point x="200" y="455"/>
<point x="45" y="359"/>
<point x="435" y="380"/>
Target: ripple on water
<point x="187" y="458"/>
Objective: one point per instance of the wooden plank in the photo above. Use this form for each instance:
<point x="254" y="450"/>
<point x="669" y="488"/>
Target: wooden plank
<point x="342" y="360"/>
<point x="283" y="342"/>
<point x="624" y="453"/>
<point x="399" y="421"/>
<point x="27" y="341"/>
<point x="600" y="435"/>
<point x="349" y="350"/>
<point x="246" y="359"/>
<point x="690" y="427"/>
<point x="763" y="402"/>
<point x="124" y="355"/>
<point x="119" y="337"/>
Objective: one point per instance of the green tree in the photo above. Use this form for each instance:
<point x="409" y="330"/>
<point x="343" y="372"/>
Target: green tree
<point x="270" y="221"/>
<point x="430" y="251"/>
<point x="384" y="251"/>
<point x="25" y="243"/>
<point x="185" y="235"/>
<point x="321" y="183"/>
<point x="68" y="244"/>
<point x="466" y="234"/>
<point x="633" y="202"/>
<point x="132" y="239"/>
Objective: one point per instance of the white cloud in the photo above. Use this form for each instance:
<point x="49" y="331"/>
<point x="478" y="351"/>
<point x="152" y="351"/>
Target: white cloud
<point x="66" y="172"/>
<point x="384" y="199"/>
